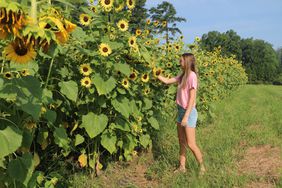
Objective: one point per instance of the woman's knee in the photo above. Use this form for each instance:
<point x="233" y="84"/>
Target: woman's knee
<point x="192" y="146"/>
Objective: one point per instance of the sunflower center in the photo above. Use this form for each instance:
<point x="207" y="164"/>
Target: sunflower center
<point x="130" y="2"/>
<point x="125" y="82"/>
<point x="158" y="72"/>
<point x="21" y="51"/>
<point x="85" y="69"/>
<point x="145" y="76"/>
<point x="85" y="18"/>
<point x="122" y="26"/>
<point x="105" y="49"/>
<point x="8" y="75"/>
<point x="132" y="76"/>
<point x="86" y="82"/>
<point x="107" y="2"/>
<point x="132" y="42"/>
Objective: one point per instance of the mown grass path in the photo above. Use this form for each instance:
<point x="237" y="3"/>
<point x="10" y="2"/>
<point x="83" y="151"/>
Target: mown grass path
<point x="242" y="148"/>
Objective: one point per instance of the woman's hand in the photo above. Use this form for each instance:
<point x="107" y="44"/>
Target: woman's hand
<point x="184" y="121"/>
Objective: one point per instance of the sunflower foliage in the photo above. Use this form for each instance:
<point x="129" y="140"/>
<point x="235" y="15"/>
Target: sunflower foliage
<point x="79" y="89"/>
<point x="218" y="75"/>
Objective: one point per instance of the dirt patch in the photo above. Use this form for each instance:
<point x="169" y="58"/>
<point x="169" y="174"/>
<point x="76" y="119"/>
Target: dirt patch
<point x="129" y="174"/>
<point x="263" y="162"/>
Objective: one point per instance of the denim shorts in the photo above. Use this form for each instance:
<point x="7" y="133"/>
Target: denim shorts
<point x="192" y="119"/>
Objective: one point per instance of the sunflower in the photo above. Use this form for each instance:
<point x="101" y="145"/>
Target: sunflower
<point x="123" y="25"/>
<point x="86" y="82"/>
<point x="130" y="4"/>
<point x="139" y="118"/>
<point x="156" y="23"/>
<point x="148" y="42"/>
<point x="19" y="52"/>
<point x="157" y="71"/>
<point x="169" y="65"/>
<point x="145" y="77"/>
<point x="3" y="34"/>
<point x="164" y="23"/>
<point x="12" y="20"/>
<point x="84" y="19"/>
<point x="120" y="7"/>
<point x="125" y="83"/>
<point x="93" y="9"/>
<point x="177" y="47"/>
<point x="147" y="32"/>
<point x="132" y="41"/>
<point x="69" y="26"/>
<point x="138" y="32"/>
<point x="146" y="91"/>
<point x="198" y="39"/>
<point x="133" y="76"/>
<point x="85" y="69"/>
<point x="148" y="21"/>
<point x="56" y="25"/>
<point x="24" y="72"/>
<point x="8" y="75"/>
<point x="107" y="4"/>
<point x="105" y="49"/>
<point x="135" y="49"/>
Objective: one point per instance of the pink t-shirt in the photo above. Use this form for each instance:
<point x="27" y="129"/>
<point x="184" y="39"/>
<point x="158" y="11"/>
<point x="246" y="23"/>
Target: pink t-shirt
<point x="182" y="96"/>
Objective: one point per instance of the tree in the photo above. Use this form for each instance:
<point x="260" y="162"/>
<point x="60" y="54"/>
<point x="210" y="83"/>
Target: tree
<point x="229" y="42"/>
<point x="260" y="60"/>
<point x="139" y="15"/>
<point x="279" y="55"/>
<point x="165" y="14"/>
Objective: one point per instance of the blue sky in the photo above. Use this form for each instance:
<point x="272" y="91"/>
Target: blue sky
<point x="249" y="18"/>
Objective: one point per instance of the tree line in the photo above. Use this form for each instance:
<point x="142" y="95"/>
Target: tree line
<point x="261" y="61"/>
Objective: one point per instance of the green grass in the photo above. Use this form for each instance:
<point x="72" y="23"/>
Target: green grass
<point x="249" y="117"/>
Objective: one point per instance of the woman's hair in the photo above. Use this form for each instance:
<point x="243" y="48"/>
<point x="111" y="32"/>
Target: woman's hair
<point x="189" y="65"/>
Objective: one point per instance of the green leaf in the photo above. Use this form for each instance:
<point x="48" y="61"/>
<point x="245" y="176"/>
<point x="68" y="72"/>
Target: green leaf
<point x="21" y="168"/>
<point x="61" y="138"/>
<point x="50" y="115"/>
<point x="78" y="139"/>
<point x="122" y="107"/>
<point x="145" y="140"/>
<point x="103" y="87"/>
<point x="123" y="68"/>
<point x="69" y="89"/>
<point x="147" y="104"/>
<point x="122" y="125"/>
<point x="27" y="139"/>
<point x="108" y="141"/>
<point x="32" y="67"/>
<point x="154" y="123"/>
<point x="32" y="107"/>
<point x="10" y="140"/>
<point x="94" y="124"/>
<point x="145" y="54"/>
<point x="1" y="83"/>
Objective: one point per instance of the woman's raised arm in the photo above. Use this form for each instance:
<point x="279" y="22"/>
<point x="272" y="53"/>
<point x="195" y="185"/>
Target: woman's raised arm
<point x="168" y="80"/>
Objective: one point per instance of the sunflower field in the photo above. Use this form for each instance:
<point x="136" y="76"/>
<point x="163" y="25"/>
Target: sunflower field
<point x="78" y="86"/>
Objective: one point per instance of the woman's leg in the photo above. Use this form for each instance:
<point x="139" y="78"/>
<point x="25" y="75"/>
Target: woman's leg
<point x="182" y="144"/>
<point x="191" y="142"/>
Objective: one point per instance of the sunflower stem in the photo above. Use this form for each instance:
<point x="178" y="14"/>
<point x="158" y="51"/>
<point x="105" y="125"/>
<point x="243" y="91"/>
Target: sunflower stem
<point x="2" y="68"/>
<point x="49" y="72"/>
<point x="33" y="11"/>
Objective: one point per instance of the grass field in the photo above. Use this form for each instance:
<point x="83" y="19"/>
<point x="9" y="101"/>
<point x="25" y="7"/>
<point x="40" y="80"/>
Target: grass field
<point x="242" y="148"/>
